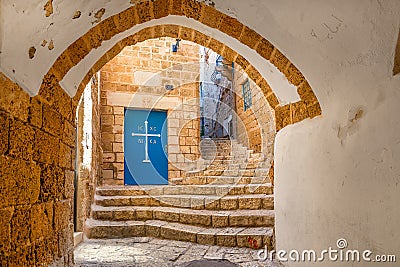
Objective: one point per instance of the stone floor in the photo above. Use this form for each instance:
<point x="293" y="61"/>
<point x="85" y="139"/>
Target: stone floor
<point x="157" y="252"/>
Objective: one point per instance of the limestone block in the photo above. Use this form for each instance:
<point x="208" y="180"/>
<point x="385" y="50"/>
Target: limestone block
<point x="294" y="75"/>
<point x="249" y="202"/>
<point x="118" y="110"/>
<point x="252" y="237"/>
<point x="249" y="37"/>
<point x="202" y="218"/>
<point x="65" y="156"/>
<point x="102" y="214"/>
<point x="62" y="214"/>
<point x="21" y="140"/>
<point x="52" y="122"/>
<point x="144" y="213"/>
<point x="118" y="147"/>
<point x="13" y="99"/>
<point x="41" y="220"/>
<point x="35" y="112"/>
<point x="211" y="17"/>
<point x="197" y="202"/>
<point x="279" y="60"/>
<point x="140" y="201"/>
<point x="20" y="232"/>
<point x="124" y="214"/>
<point x="160" y="8"/>
<point x="108" y="157"/>
<point x="20" y="183"/>
<point x="107" y="119"/>
<point x="107" y="174"/>
<point x="180" y="232"/>
<point x="144" y="11"/>
<point x="166" y="214"/>
<point x="265" y="48"/>
<point x="220" y="219"/>
<point x="207" y="236"/>
<point x="192" y="9"/>
<point x="153" y="228"/>
<point x="227" y="237"/>
<point x="229" y="203"/>
<point x="5" y="229"/>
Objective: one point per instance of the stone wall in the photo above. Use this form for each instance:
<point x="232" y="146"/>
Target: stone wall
<point x="136" y="78"/>
<point x="37" y="139"/>
<point x="89" y="152"/>
<point x="256" y="128"/>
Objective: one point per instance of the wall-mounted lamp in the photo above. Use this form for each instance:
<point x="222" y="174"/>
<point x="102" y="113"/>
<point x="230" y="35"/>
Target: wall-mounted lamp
<point x="176" y="46"/>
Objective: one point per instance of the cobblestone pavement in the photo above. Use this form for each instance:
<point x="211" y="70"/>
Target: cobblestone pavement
<point x="149" y="252"/>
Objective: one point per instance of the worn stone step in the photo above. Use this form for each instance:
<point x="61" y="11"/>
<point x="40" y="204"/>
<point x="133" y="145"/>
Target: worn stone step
<point x="239" y="189"/>
<point x="228" y="202"/>
<point x="209" y="218"/>
<point x="219" y="171"/>
<point x="255" y="237"/>
<point x="203" y="180"/>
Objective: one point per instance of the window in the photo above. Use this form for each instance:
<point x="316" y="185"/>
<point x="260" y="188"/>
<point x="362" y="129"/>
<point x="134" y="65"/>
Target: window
<point x="247" y="95"/>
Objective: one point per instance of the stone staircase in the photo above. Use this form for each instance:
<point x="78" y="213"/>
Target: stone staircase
<point x="227" y="162"/>
<point x="227" y="201"/>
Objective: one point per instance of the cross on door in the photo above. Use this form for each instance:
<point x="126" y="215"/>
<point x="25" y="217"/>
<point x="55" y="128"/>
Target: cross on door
<point x="146" y="145"/>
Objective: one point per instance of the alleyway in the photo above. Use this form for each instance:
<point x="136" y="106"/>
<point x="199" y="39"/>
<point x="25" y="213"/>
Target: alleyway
<point x="148" y="252"/>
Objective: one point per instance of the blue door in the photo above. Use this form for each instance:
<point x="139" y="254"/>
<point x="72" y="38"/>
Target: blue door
<point x="145" y="143"/>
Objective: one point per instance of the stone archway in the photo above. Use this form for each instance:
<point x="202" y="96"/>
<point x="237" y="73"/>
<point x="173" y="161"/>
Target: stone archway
<point x="141" y="12"/>
<point x="41" y="159"/>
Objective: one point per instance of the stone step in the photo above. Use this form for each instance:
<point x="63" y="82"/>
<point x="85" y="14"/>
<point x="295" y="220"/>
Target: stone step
<point x="220" y="180"/>
<point x="217" y="171"/>
<point x="200" y="202"/>
<point x="208" y="218"/>
<point x="218" y="190"/>
<point x="255" y="237"/>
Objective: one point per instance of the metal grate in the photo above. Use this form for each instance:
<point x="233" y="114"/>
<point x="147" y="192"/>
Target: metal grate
<point x="247" y="98"/>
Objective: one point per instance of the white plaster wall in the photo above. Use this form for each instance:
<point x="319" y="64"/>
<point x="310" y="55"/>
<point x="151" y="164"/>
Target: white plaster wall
<point x="330" y="184"/>
<point x="24" y="24"/>
<point x="63" y="30"/>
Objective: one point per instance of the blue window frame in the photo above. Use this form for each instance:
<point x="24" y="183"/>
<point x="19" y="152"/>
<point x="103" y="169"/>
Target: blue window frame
<point x="247" y="98"/>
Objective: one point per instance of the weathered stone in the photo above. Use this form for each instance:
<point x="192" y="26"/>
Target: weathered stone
<point x="51" y="179"/>
<point x="20" y="183"/>
<point x="35" y="116"/>
<point x="62" y="214"/>
<point x="220" y="219"/>
<point x="202" y="218"/>
<point x="124" y="215"/>
<point x="294" y="75"/>
<point x="227" y="237"/>
<point x="249" y="202"/>
<point x="229" y="203"/>
<point x="21" y="140"/>
<point x="41" y="221"/>
<point x="160" y="8"/>
<point x="20" y="232"/>
<point x="13" y="99"/>
<point x="5" y="230"/>
<point x="153" y="228"/>
<point x="166" y="214"/>
<point x="179" y="232"/>
<point x="265" y="48"/>
<point x="279" y="60"/>
<point x="211" y="17"/>
<point x="231" y="26"/>
<point x="52" y="122"/>
<point x="192" y="9"/>
<point x="144" y="11"/>
<point x="249" y="37"/>
<point x="207" y="236"/>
